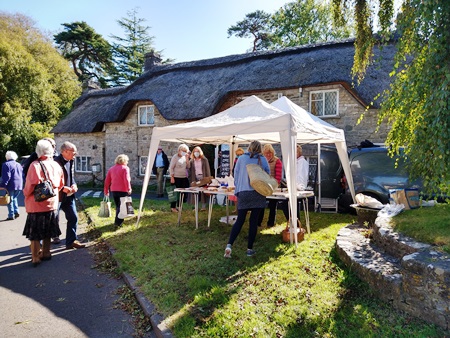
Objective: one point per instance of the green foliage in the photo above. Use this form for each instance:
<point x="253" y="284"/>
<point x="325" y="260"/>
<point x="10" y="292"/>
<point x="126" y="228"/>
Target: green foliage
<point x="88" y="52"/>
<point x="129" y="51"/>
<point x="37" y="86"/>
<point x="364" y="12"/>
<point x="417" y="104"/>
<point x="304" y="22"/>
<point x="256" y="25"/>
<point x="296" y="23"/>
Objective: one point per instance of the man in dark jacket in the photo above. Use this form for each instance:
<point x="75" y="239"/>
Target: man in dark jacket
<point x="159" y="169"/>
<point x="67" y="194"/>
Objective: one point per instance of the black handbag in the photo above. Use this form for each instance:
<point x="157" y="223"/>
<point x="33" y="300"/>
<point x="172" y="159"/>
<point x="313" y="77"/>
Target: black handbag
<point x="44" y="190"/>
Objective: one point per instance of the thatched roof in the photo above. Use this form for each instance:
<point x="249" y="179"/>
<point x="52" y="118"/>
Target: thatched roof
<point x="194" y="90"/>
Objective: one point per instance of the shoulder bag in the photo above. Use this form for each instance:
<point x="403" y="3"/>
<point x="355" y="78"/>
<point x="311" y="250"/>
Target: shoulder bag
<point x="260" y="180"/>
<point x="44" y="190"/>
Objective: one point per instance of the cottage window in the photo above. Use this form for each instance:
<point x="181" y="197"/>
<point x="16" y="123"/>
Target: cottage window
<point x="142" y="165"/>
<point x="146" y="115"/>
<point x="324" y="103"/>
<point x="83" y="164"/>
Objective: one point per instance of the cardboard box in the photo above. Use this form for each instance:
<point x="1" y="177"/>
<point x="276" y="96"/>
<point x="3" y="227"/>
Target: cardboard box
<point x="408" y="197"/>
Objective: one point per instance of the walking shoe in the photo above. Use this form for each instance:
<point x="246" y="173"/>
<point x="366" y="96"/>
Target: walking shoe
<point x="16" y="215"/>
<point x="75" y="245"/>
<point x="250" y="252"/>
<point x="56" y="240"/>
<point x="10" y="219"/>
<point x="227" y="252"/>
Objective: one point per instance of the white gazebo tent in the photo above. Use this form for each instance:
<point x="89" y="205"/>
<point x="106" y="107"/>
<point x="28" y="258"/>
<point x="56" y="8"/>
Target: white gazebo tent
<point x="316" y="130"/>
<point x="251" y="119"/>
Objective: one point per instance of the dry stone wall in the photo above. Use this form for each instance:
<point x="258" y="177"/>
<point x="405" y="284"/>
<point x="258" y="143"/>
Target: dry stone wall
<point x="414" y="277"/>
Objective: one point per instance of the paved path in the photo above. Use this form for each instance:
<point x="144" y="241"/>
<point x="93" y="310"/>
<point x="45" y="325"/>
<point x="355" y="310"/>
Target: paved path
<point x="64" y="297"/>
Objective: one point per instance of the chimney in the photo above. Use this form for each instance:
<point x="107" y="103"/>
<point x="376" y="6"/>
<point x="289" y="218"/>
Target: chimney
<point x="151" y="59"/>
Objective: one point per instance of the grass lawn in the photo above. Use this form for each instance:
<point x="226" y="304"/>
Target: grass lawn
<point x="283" y="291"/>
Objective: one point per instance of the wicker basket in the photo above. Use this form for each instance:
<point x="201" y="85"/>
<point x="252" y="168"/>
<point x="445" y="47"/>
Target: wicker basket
<point x="5" y="199"/>
<point x="287" y="236"/>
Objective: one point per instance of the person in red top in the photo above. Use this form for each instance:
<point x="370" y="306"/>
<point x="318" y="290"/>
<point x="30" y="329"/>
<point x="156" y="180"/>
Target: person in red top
<point x="42" y="220"/>
<point x="118" y="182"/>
<point x="276" y="171"/>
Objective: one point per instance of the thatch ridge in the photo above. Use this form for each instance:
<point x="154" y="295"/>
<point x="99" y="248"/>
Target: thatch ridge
<point x="193" y="90"/>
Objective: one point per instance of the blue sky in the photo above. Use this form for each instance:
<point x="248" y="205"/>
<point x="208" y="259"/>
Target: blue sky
<point x="184" y="30"/>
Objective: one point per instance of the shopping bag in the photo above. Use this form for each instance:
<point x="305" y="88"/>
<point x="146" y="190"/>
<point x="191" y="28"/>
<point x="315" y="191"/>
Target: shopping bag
<point x="105" y="208"/>
<point x="126" y="208"/>
<point x="5" y="199"/>
<point x="172" y="196"/>
<point x="260" y="180"/>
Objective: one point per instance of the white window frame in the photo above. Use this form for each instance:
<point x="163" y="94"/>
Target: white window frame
<point x="142" y="165"/>
<point x="84" y="162"/>
<point x="146" y="109"/>
<point x="323" y="100"/>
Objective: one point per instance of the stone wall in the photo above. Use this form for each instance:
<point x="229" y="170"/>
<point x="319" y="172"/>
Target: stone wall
<point x="350" y="112"/>
<point x="129" y="138"/>
<point x="414" y="277"/>
<point x="90" y="145"/>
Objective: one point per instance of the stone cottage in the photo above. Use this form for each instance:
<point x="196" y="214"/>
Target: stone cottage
<point x="108" y="122"/>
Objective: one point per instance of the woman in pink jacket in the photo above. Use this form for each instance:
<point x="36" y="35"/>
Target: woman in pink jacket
<point x="118" y="181"/>
<point x="42" y="220"/>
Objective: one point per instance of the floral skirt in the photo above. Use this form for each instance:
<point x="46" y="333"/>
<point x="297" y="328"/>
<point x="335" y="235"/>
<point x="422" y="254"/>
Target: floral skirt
<point x="41" y="225"/>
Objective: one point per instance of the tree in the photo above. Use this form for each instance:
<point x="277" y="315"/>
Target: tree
<point x="304" y="22"/>
<point x="417" y="103"/>
<point x="37" y="86"/>
<point x="256" y="25"/>
<point x="296" y="23"/>
<point x="129" y="52"/>
<point x="89" y="53"/>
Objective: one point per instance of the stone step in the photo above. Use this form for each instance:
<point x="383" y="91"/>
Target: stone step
<point x="413" y="276"/>
<point x="392" y="242"/>
<point x="372" y="265"/>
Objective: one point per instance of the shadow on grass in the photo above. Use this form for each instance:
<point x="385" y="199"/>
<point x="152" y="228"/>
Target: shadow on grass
<point x="281" y="291"/>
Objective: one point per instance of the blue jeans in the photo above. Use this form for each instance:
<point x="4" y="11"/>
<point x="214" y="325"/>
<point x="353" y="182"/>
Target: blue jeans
<point x="13" y="206"/>
<point x="70" y="209"/>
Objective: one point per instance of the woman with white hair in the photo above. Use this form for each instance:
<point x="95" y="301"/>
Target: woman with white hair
<point x="42" y="220"/>
<point x="178" y="171"/>
<point x="12" y="182"/>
